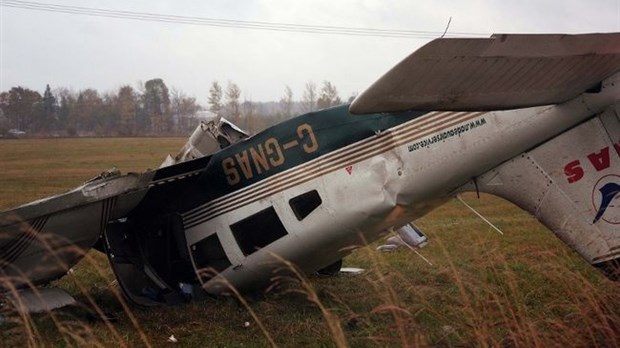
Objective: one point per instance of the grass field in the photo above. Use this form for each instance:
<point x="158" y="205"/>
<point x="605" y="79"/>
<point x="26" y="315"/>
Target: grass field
<point x="522" y="289"/>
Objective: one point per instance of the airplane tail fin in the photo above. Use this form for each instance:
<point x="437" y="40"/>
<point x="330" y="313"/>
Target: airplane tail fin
<point x="571" y="184"/>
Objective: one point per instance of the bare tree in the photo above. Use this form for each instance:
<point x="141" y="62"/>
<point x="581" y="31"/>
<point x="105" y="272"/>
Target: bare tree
<point x="249" y="115"/>
<point x="328" y="96"/>
<point x="184" y="110"/>
<point x="233" y="93"/>
<point x="309" y="98"/>
<point x="286" y="102"/>
<point x="215" y="98"/>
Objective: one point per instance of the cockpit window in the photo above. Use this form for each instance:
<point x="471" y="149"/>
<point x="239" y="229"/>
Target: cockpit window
<point x="305" y="204"/>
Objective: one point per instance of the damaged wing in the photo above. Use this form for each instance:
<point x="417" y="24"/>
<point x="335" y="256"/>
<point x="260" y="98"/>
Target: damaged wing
<point x="505" y="71"/>
<point x="40" y="241"/>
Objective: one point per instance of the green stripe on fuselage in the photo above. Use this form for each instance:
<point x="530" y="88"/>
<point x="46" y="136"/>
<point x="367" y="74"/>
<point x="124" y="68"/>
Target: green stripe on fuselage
<point x="290" y="144"/>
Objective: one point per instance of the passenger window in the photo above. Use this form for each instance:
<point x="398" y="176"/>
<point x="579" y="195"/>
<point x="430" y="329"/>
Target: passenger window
<point x="209" y="254"/>
<point x="258" y="230"/>
<point x="305" y="204"/>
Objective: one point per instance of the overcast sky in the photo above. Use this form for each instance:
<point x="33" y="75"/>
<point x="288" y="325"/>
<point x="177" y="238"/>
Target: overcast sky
<point x="78" y="51"/>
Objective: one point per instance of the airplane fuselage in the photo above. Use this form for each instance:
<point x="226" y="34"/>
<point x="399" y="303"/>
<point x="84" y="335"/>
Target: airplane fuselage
<point x="311" y="189"/>
<point x="354" y="177"/>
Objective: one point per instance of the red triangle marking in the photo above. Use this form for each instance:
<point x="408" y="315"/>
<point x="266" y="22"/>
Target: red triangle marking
<point x="349" y="169"/>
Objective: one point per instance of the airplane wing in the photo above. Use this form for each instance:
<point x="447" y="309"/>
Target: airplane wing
<point x="505" y="71"/>
<point x="41" y="240"/>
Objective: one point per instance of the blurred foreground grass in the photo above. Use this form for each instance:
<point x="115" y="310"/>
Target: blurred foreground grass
<point x="522" y="289"/>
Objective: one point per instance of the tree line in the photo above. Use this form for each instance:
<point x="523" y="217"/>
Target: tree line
<point x="151" y="109"/>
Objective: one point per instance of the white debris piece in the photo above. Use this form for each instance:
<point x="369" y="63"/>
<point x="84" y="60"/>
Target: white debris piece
<point x="408" y="235"/>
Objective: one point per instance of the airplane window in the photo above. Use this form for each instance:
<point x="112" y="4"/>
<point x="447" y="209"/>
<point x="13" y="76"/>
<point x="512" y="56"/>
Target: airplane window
<point x="258" y="230"/>
<point x="209" y="255"/>
<point x="305" y="204"/>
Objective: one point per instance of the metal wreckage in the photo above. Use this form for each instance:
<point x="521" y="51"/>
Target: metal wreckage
<point x="534" y="119"/>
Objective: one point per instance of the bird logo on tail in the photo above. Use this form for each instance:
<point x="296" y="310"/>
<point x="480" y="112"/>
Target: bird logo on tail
<point x="608" y="191"/>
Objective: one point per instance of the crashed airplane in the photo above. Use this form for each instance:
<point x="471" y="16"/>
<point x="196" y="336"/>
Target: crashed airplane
<point x="534" y="119"/>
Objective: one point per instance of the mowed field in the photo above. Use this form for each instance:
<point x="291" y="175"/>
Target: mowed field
<point x="521" y="289"/>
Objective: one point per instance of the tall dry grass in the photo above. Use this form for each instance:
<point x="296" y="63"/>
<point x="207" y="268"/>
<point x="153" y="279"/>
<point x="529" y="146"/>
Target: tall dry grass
<point x="523" y="289"/>
<point x="492" y="299"/>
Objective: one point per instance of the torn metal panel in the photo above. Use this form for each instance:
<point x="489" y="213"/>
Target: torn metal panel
<point x="207" y="139"/>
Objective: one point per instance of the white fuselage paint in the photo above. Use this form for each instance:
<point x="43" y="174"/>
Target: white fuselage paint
<point x="382" y="182"/>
